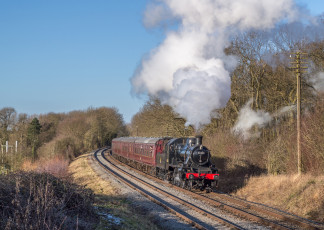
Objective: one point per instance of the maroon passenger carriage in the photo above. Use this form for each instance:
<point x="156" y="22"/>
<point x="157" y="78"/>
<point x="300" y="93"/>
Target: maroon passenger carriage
<point x="138" y="152"/>
<point x="184" y="162"/>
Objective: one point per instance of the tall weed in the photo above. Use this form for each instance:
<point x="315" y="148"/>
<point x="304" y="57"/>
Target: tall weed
<point x="31" y="200"/>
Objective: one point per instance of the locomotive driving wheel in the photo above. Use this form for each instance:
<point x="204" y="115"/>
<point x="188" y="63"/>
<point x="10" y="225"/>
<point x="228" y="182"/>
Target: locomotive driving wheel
<point x="176" y="179"/>
<point x="189" y="185"/>
<point x="183" y="184"/>
<point x="208" y="190"/>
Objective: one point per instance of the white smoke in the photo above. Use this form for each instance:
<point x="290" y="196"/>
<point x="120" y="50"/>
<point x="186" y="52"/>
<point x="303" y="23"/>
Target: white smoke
<point x="318" y="82"/>
<point x="248" y="118"/>
<point x="189" y="70"/>
<point x="285" y="110"/>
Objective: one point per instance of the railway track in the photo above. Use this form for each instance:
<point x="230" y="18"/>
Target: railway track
<point x="263" y="215"/>
<point x="178" y="206"/>
<point x="276" y="215"/>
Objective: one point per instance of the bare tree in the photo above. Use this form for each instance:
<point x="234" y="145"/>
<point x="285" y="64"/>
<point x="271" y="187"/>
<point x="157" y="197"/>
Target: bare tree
<point x="7" y="121"/>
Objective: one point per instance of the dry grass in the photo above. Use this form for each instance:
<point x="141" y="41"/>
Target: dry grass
<point x="108" y="198"/>
<point x="30" y="200"/>
<point x="56" y="166"/>
<point x="83" y="174"/>
<point x="302" y="195"/>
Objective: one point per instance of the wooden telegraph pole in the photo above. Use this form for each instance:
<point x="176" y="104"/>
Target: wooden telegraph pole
<point x="297" y="66"/>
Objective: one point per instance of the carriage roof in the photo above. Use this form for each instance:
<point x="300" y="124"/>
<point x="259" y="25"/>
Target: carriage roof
<point x="145" y="140"/>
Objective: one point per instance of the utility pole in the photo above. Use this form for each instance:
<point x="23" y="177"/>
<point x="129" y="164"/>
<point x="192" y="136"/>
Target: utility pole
<point x="298" y="67"/>
<point x="7" y="146"/>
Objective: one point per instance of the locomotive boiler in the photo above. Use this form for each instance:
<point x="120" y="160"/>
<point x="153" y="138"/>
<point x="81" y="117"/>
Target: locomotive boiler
<point x="184" y="162"/>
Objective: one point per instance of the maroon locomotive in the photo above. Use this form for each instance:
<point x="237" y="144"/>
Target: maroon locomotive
<point x="185" y="162"/>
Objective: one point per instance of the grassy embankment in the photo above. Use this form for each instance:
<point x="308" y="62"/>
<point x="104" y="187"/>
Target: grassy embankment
<point x="34" y="200"/>
<point x="53" y="194"/>
<point x="108" y="199"/>
<point x="302" y="195"/>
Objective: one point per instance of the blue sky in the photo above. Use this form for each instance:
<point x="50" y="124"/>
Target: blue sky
<point x="60" y="56"/>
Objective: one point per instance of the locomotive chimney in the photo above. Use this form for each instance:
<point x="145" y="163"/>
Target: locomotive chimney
<point x="199" y="140"/>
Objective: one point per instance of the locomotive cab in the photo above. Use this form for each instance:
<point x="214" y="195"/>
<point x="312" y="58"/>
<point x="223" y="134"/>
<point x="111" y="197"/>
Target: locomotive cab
<point x="172" y="151"/>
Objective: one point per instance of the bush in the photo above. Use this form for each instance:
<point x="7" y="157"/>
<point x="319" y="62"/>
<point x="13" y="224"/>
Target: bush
<point x="56" y="166"/>
<point x="313" y="139"/>
<point x="42" y="201"/>
<point x="277" y="157"/>
<point x="67" y="148"/>
<point x="236" y="154"/>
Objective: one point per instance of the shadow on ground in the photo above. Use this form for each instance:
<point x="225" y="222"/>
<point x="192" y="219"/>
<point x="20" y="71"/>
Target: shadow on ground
<point x="116" y="212"/>
<point x="234" y="177"/>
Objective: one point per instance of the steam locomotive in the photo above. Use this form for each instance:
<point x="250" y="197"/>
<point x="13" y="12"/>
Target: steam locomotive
<point x="184" y="162"/>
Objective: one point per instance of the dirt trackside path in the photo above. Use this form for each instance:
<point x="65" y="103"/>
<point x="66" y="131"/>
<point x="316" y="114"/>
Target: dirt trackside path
<point x="115" y="210"/>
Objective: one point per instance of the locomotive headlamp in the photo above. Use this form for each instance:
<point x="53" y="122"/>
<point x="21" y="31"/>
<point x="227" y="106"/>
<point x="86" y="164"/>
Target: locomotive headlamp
<point x="191" y="177"/>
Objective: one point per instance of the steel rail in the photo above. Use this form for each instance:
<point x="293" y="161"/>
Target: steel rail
<point x="237" y="210"/>
<point x="193" y="207"/>
<point x="265" y="211"/>
<point x="141" y="191"/>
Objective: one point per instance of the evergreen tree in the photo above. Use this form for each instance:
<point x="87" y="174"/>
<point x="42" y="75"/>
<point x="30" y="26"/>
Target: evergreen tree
<point x="33" y="132"/>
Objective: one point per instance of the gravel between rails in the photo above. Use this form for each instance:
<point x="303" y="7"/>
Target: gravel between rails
<point x="287" y="221"/>
<point x="283" y="218"/>
<point x="206" y="222"/>
<point x="156" y="213"/>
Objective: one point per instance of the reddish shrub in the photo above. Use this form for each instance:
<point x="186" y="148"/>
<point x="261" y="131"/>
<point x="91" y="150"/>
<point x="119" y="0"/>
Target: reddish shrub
<point x="57" y="166"/>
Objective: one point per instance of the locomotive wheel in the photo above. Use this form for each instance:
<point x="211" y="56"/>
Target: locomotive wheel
<point x="183" y="184"/>
<point x="189" y="185"/>
<point x="178" y="183"/>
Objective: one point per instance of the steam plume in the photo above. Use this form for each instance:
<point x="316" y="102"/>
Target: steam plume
<point x="189" y="70"/>
<point x="248" y="118"/>
<point x="318" y="82"/>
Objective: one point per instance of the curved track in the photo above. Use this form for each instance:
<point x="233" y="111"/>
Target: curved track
<point x="229" y="204"/>
<point x="110" y="167"/>
<point x="275" y="214"/>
